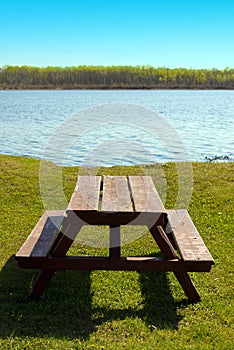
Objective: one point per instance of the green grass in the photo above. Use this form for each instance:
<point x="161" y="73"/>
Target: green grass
<point x="117" y="310"/>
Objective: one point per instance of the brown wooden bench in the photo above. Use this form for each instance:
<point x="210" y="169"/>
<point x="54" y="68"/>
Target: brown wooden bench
<point x="42" y="236"/>
<point x="187" y="239"/>
<point x="116" y="201"/>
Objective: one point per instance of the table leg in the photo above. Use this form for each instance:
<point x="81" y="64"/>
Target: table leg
<point x="169" y="252"/>
<point x="188" y="286"/>
<point x="114" y="250"/>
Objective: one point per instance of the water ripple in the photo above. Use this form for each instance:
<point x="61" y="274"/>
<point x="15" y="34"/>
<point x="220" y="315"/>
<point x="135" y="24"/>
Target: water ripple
<point x="202" y="119"/>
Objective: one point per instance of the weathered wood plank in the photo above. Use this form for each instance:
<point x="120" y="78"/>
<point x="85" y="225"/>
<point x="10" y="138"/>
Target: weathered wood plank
<point x="42" y="236"/>
<point x="116" y="195"/>
<point x="86" y="194"/>
<point x="187" y="238"/>
<point x="144" y="194"/>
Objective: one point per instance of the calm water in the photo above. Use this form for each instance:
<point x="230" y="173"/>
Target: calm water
<point x="116" y="127"/>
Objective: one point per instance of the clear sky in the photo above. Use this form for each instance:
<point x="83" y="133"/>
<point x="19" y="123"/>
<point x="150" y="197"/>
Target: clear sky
<point x="191" y="34"/>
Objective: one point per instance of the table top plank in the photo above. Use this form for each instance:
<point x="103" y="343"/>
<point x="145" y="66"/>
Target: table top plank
<point x="86" y="194"/>
<point x="144" y="194"/>
<point x="116" y="195"/>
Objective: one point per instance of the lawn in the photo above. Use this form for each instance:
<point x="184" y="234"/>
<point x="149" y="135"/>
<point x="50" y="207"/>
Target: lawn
<point x="117" y="310"/>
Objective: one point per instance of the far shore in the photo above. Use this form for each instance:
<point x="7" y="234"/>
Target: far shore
<point x="78" y="87"/>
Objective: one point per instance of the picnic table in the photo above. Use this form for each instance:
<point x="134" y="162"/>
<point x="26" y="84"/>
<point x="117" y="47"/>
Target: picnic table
<point x="115" y="201"/>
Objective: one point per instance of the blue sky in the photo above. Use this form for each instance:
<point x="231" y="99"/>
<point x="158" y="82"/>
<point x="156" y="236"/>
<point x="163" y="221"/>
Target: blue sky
<point x="191" y="34"/>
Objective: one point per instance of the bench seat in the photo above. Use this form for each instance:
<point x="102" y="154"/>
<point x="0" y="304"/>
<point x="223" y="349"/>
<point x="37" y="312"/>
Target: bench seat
<point x="42" y="236"/>
<point x="186" y="237"/>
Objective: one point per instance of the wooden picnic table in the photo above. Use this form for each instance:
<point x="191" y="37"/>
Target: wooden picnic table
<point x="115" y="201"/>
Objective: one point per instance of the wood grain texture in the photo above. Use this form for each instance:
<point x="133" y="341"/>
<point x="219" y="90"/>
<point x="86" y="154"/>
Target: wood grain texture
<point x="144" y="194"/>
<point x="42" y="236"/>
<point x="187" y="238"/>
<point x="86" y="194"/>
<point x="116" y="195"/>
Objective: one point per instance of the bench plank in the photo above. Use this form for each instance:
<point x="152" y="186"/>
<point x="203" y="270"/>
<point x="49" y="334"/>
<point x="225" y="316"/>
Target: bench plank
<point x="116" y="195"/>
<point x="144" y="194"/>
<point x="42" y="236"/>
<point x="187" y="238"/>
<point x="86" y="194"/>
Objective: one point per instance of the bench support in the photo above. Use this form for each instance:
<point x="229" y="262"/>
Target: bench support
<point x="41" y="283"/>
<point x="169" y="253"/>
<point x="59" y="249"/>
<point x="57" y="260"/>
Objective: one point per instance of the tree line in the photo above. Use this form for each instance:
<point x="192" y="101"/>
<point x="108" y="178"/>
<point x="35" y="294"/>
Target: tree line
<point x="114" y="77"/>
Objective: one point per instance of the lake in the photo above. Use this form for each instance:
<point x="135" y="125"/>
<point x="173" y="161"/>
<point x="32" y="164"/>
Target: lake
<point x="120" y="127"/>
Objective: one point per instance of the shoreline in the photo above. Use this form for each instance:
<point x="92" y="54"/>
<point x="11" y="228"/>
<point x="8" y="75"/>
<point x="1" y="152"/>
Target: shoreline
<point x="44" y="88"/>
<point x="25" y="157"/>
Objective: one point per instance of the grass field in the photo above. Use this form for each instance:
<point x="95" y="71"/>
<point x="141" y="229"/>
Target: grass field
<point x="117" y="310"/>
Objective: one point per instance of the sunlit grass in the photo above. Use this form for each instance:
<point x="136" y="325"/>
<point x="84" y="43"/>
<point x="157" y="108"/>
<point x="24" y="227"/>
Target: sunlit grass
<point x="117" y="310"/>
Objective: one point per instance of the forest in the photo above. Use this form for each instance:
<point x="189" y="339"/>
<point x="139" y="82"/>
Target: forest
<point x="114" y="77"/>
